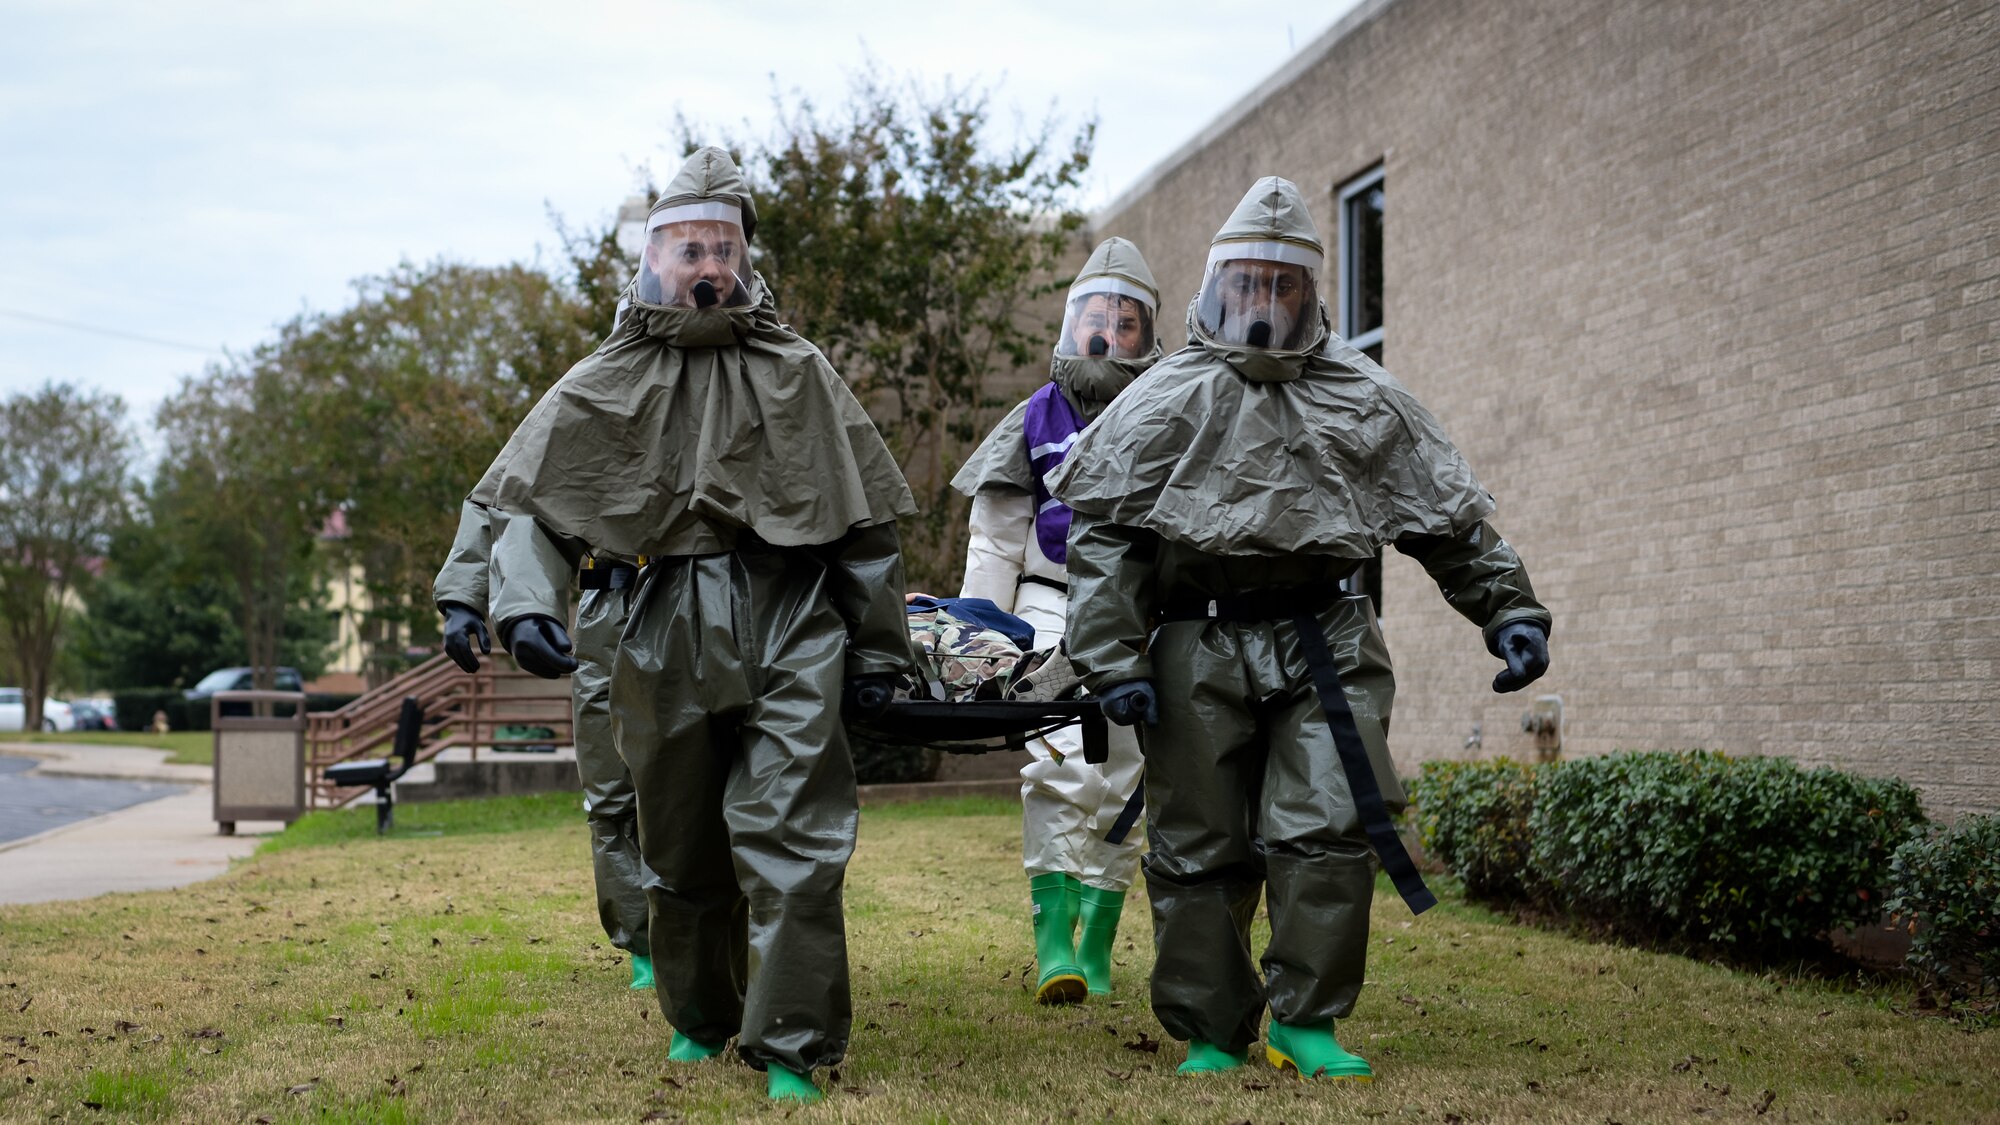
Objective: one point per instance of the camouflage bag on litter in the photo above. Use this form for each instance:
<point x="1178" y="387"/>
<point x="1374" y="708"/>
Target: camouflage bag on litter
<point x="968" y="661"/>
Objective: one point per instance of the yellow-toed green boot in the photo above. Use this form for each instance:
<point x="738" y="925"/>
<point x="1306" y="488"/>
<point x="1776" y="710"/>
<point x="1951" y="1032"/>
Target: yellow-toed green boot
<point x="1314" y="1053"/>
<point x="1061" y="980"/>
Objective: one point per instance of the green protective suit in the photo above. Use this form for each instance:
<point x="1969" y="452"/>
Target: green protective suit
<point x="1263" y="477"/>
<point x="610" y="810"/>
<point x="725" y="449"/>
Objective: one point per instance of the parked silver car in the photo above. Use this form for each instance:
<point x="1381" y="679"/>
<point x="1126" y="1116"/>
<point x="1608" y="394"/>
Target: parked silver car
<point x="14" y="712"/>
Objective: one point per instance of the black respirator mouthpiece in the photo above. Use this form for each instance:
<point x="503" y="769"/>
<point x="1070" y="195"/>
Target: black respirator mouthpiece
<point x="1260" y="334"/>
<point x="704" y="294"/>
<point x="1099" y="346"/>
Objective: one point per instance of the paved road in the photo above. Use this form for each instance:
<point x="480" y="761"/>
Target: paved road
<point x="32" y="804"/>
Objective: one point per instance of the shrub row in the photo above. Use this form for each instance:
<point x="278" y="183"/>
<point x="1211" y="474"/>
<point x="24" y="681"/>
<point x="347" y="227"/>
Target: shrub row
<point x="135" y="707"/>
<point x="1695" y="846"/>
<point x="1946" y="887"/>
<point x="1754" y="852"/>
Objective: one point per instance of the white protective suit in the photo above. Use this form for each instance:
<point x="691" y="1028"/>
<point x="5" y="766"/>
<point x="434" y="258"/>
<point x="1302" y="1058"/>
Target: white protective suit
<point x="1069" y="807"/>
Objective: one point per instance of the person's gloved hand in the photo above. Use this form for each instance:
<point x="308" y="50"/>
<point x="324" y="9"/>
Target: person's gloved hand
<point x="461" y="626"/>
<point x="1525" y="647"/>
<point x="1129" y="702"/>
<point x="866" y="697"/>
<point x="541" y="645"/>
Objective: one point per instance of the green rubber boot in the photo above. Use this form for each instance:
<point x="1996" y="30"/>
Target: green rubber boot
<point x="1313" y="1052"/>
<point x="1055" y="941"/>
<point x="783" y="1085"/>
<point x="642" y="973"/>
<point x="1207" y="1058"/>
<point x="1100" y="928"/>
<point x="689" y="1050"/>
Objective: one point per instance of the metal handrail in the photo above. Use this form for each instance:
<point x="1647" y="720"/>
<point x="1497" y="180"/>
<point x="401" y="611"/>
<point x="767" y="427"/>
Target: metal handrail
<point x="460" y="708"/>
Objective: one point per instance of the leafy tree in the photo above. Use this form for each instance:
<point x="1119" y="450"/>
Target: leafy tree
<point x="410" y="392"/>
<point x="239" y="487"/>
<point x="919" y="254"/>
<point x="63" y="454"/>
<point x="161" y="617"/>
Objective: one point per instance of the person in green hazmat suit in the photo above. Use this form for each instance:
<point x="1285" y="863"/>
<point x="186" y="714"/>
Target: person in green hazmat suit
<point x="708" y="440"/>
<point x="461" y="593"/>
<point x="1077" y="820"/>
<point x="1216" y="516"/>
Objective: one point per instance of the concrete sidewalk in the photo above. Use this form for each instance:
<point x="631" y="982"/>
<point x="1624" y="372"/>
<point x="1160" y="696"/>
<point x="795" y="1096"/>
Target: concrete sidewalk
<point x="123" y="763"/>
<point x="169" y="842"/>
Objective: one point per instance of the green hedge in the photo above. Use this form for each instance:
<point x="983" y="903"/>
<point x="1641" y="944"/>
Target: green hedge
<point x="135" y="707"/>
<point x="1946" y="887"/>
<point x="1474" y="820"/>
<point x="1695" y="846"/>
<point x="1703" y="846"/>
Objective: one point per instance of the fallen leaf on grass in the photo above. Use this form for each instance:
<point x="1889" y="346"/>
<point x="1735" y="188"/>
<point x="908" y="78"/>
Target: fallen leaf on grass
<point x="126" y="1027"/>
<point x="93" y="1105"/>
<point x="24" y="1004"/>
<point x="1764" y="1103"/>
<point x="336" y="1021"/>
<point x="1120" y="1075"/>
<point x="1143" y="1043"/>
<point x="1255" y="1085"/>
<point x="301" y="1088"/>
<point x="205" y="1033"/>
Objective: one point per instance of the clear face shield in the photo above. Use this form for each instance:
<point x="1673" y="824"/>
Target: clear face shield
<point x="1107" y="316"/>
<point x="696" y="257"/>
<point x="1260" y="294"/>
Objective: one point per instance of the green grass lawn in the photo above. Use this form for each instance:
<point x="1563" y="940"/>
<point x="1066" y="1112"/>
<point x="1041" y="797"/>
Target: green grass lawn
<point x="189" y="747"/>
<point x="455" y="971"/>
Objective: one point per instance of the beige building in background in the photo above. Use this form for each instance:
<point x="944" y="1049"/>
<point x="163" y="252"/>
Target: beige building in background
<point x="1709" y="293"/>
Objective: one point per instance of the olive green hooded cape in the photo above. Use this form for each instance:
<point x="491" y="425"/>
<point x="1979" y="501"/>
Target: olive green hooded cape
<point x="1001" y="463"/>
<point x="1243" y="451"/>
<point x="688" y="427"/>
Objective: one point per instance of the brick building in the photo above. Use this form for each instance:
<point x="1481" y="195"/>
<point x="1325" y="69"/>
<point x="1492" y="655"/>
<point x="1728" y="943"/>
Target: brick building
<point x="1709" y="293"/>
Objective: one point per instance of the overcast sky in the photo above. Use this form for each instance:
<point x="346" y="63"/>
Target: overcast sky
<point x="193" y="173"/>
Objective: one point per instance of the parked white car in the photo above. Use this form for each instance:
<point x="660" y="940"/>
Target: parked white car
<point x="14" y="712"/>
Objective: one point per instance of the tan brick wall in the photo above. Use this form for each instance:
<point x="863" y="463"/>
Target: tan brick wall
<point x="1709" y="293"/>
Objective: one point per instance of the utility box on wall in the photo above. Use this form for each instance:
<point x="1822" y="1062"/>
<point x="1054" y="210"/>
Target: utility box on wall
<point x="1544" y="720"/>
<point x="260" y="759"/>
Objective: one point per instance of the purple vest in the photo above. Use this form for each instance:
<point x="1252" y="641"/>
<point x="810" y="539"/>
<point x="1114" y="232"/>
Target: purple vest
<point x="1051" y="425"/>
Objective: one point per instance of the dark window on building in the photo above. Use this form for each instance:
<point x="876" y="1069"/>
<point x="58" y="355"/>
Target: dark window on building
<point x="1361" y="321"/>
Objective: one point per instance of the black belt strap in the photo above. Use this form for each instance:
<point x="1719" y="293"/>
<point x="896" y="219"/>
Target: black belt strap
<point x="1038" y="580"/>
<point x="1360" y="775"/>
<point x="614" y="577"/>
<point x="1129" y="816"/>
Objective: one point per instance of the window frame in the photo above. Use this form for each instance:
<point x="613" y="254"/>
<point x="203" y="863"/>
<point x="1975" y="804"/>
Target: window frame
<point x="1372" y="178"/>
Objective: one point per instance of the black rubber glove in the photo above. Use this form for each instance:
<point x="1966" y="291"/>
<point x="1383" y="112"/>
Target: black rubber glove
<point x="1131" y="701"/>
<point x="1525" y="648"/>
<point x="461" y="626"/>
<point x="866" y="697"/>
<point x="541" y="645"/>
